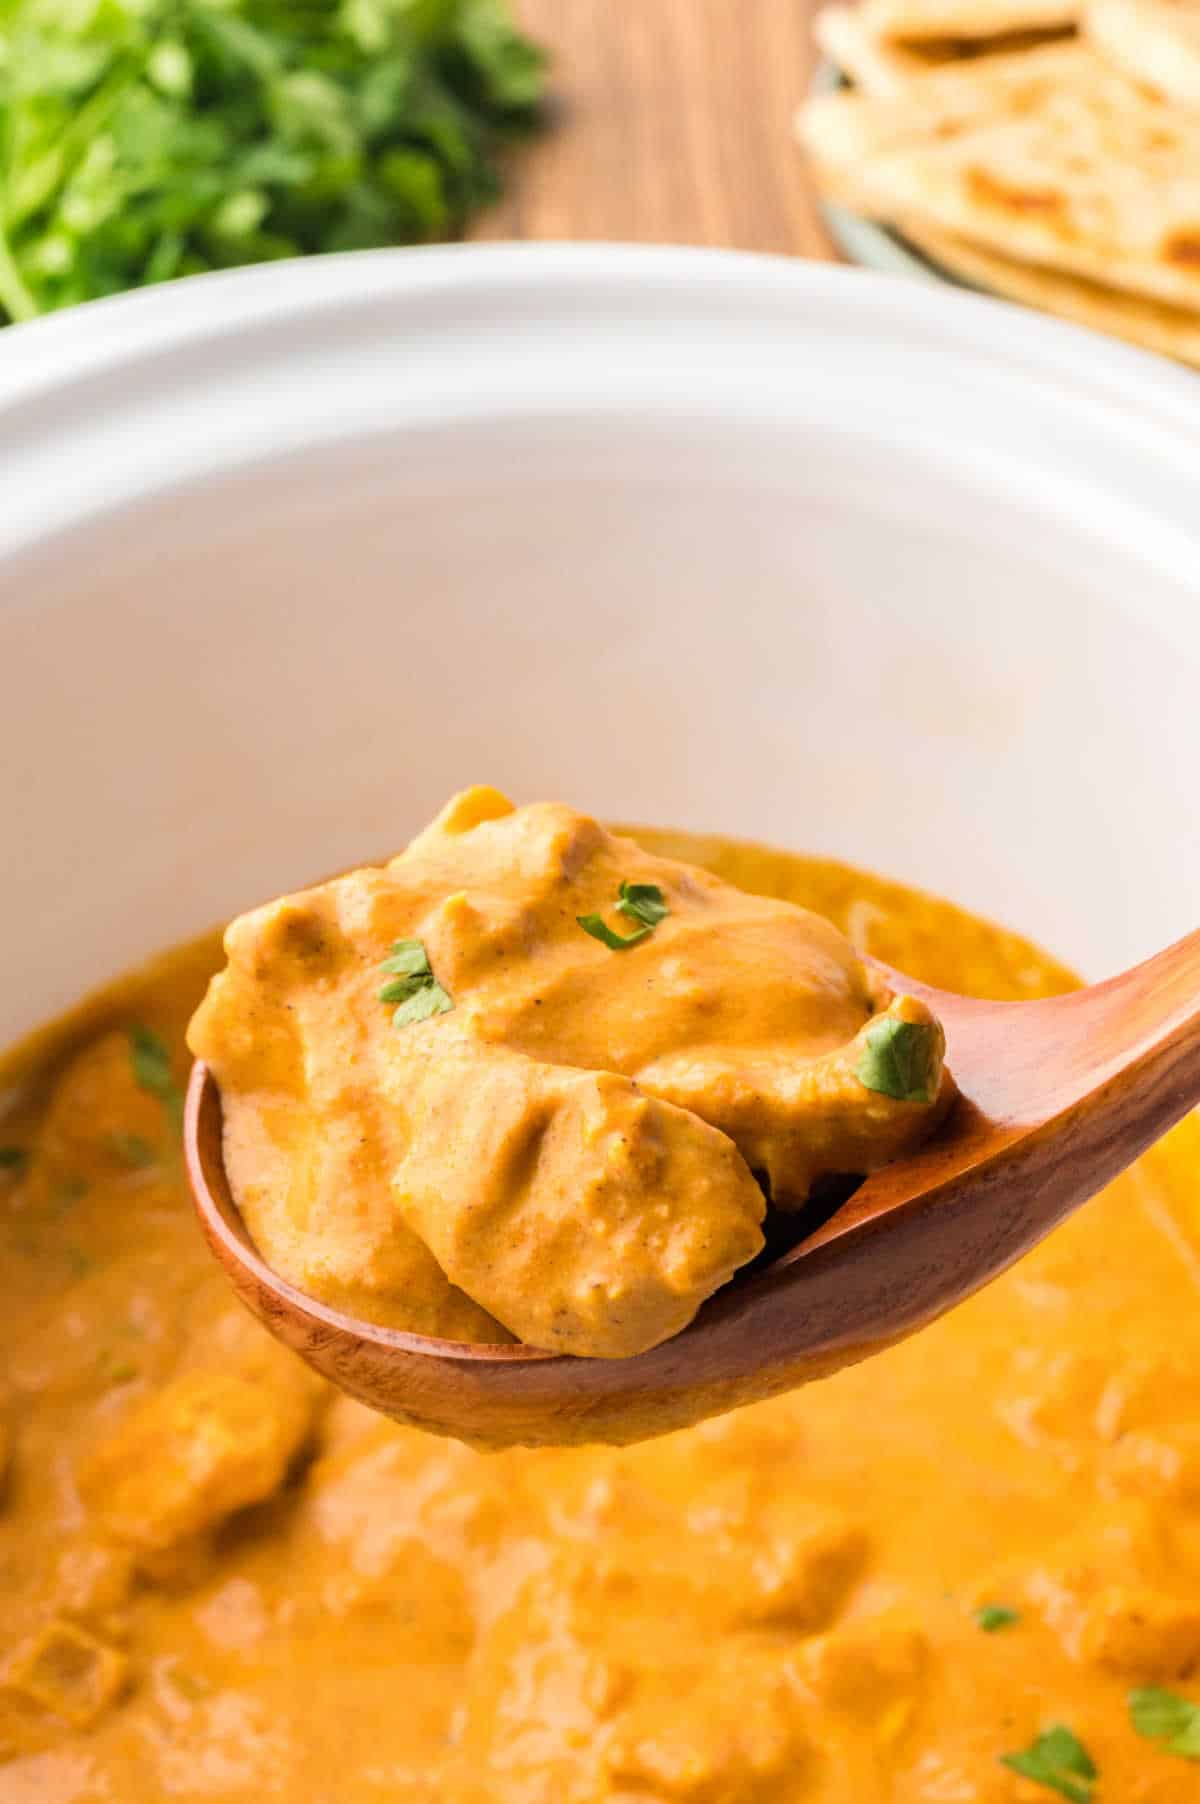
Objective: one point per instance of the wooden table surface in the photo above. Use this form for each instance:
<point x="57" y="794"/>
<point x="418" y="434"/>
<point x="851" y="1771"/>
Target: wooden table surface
<point x="674" y="125"/>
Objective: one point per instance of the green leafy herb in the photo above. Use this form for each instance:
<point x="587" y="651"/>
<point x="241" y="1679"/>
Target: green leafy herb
<point x="141" y="141"/>
<point x="151" y="1061"/>
<point x="408" y="958"/>
<point x="13" y="1158"/>
<point x="599" y="930"/>
<point x="1165" y="1717"/>
<point x="900" y="1059"/>
<point x="994" y="1617"/>
<point x="133" y="1151"/>
<point x="414" y="986"/>
<point x="431" y="999"/>
<point x="641" y="902"/>
<point x="116" y="1370"/>
<point x="1058" y="1760"/>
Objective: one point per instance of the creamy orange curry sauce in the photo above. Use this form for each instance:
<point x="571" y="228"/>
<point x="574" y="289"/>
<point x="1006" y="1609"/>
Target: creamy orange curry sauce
<point x="459" y="1100"/>
<point x="220" y="1581"/>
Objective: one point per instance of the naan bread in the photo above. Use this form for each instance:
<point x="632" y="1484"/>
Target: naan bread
<point x="1170" y="331"/>
<point x="1154" y="41"/>
<point x="854" y="128"/>
<point x="876" y="65"/>
<point x="881" y="66"/>
<point x="1065" y="163"/>
<point x="965" y="18"/>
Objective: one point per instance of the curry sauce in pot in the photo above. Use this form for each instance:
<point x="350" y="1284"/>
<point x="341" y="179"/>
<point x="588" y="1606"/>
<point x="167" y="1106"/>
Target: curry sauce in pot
<point x="965" y="1572"/>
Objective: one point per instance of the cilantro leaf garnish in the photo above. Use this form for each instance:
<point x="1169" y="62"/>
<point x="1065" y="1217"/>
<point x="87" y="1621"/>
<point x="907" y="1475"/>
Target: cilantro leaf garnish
<point x="141" y="142"/>
<point x="1165" y="1717"/>
<point x="430" y="999"/>
<point x="993" y="1617"/>
<point x="408" y="958"/>
<point x="414" y="986"/>
<point x="1058" y="1760"/>
<point x="151" y="1060"/>
<point x="900" y="1059"/>
<point x="600" y="930"/>
<point x="641" y="902"/>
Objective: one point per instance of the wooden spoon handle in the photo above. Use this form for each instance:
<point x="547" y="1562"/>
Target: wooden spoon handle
<point x="1031" y="1061"/>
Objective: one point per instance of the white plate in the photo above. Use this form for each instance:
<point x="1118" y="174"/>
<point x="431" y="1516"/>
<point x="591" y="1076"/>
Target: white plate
<point x="889" y="571"/>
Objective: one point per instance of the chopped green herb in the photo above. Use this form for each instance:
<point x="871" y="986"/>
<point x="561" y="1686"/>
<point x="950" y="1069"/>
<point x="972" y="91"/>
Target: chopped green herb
<point x="641" y="902"/>
<point x="13" y="1158"/>
<point x="1165" y="1717"/>
<point x="133" y="1151"/>
<point x="993" y="1617"/>
<point x="144" y="141"/>
<point x="408" y="958"/>
<point x="414" y="986"/>
<point x="1058" y="1760"/>
<point x="599" y="930"/>
<point x="900" y="1059"/>
<point x="151" y="1060"/>
<point x="117" y="1371"/>
<point x="430" y="999"/>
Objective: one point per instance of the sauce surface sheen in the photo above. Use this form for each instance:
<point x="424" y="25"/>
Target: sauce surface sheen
<point x="237" y="1587"/>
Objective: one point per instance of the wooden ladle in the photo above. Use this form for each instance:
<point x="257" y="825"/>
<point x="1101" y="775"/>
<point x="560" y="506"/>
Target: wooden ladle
<point x="1056" y="1097"/>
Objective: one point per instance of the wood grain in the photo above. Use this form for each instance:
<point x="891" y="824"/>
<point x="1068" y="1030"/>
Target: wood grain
<point x="673" y="124"/>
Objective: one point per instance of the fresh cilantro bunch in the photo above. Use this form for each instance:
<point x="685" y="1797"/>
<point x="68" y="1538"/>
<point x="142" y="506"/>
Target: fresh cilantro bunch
<point x="146" y="139"/>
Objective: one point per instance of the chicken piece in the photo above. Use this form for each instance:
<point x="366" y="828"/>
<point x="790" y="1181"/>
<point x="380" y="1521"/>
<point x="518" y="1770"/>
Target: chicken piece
<point x="1164" y="1465"/>
<point x="565" y="1700"/>
<point x="188" y="1456"/>
<point x="1140" y="1634"/>
<point x="802" y="1569"/>
<point x="587" y="1217"/>
<point x="101" y="1121"/>
<point x="797" y="1120"/>
<point x="1120" y="1593"/>
<point x="315" y="1192"/>
<point x="68" y="1672"/>
<point x="872" y="1671"/>
<point x="750" y="1012"/>
<point x="530" y="1068"/>
<point x="731" y="1731"/>
<point x="307" y="1149"/>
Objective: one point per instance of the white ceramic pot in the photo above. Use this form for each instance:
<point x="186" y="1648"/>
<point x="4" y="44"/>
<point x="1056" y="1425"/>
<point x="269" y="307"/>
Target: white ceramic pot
<point x="900" y="575"/>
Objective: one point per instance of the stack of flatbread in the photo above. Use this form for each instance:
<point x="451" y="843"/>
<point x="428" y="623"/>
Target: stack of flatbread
<point x="1048" y="150"/>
